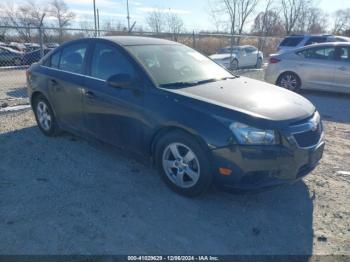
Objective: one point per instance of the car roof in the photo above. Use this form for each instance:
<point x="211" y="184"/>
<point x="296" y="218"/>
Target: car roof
<point x="9" y="49"/>
<point x="138" y="40"/>
<point x="239" y="46"/>
<point x="330" y="44"/>
<point x="309" y="35"/>
<point x="318" y="45"/>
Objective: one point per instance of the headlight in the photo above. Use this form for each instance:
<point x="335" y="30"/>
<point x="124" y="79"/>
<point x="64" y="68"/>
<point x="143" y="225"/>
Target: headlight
<point x="248" y="135"/>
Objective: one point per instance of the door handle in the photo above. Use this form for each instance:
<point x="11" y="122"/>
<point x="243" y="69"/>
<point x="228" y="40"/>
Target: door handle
<point x="90" y="94"/>
<point x="343" y="68"/>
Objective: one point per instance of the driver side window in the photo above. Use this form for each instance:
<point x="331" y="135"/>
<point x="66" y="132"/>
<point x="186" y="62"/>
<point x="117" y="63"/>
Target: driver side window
<point x="107" y="61"/>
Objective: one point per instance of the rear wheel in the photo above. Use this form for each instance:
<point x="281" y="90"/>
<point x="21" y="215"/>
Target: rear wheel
<point x="183" y="164"/>
<point x="44" y="116"/>
<point x="289" y="81"/>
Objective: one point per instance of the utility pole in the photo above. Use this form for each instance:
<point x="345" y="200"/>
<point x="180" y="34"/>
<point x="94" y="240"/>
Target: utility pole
<point x="98" y="22"/>
<point x="95" y="18"/>
<point x="41" y="36"/>
<point x="128" y="17"/>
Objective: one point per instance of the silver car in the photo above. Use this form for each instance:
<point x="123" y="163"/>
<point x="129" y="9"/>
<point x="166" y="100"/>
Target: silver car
<point x="242" y="57"/>
<point x="321" y="66"/>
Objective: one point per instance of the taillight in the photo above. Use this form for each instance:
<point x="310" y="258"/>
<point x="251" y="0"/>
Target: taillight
<point x="274" y="60"/>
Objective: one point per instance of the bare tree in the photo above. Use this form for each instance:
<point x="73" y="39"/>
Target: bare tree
<point x="218" y="20"/>
<point x="268" y="22"/>
<point x="175" y="24"/>
<point x="59" y="10"/>
<point x="155" y="21"/>
<point x="29" y="14"/>
<point x="312" y="20"/>
<point x="292" y="10"/>
<point x="341" y="21"/>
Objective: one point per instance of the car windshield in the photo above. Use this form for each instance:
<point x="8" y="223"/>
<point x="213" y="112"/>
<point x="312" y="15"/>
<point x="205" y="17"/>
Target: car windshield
<point x="175" y="66"/>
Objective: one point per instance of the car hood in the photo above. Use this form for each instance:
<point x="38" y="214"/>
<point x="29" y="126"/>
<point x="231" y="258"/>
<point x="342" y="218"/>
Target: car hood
<point x="252" y="97"/>
<point x="221" y="56"/>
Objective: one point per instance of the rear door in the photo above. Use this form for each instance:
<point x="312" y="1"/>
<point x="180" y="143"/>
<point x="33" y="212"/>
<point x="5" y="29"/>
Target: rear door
<point x="65" y="82"/>
<point x="114" y="115"/>
<point x="342" y="69"/>
<point x="316" y="67"/>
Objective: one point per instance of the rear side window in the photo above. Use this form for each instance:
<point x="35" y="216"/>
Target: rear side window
<point x="321" y="53"/>
<point x="72" y="58"/>
<point x="291" y="41"/>
<point x="107" y="60"/>
<point x="250" y="49"/>
<point x="316" y="40"/>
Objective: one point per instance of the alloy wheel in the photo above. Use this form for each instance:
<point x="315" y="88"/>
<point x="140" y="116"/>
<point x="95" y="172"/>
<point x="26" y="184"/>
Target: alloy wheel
<point x="44" y="116"/>
<point x="289" y="81"/>
<point x="181" y="165"/>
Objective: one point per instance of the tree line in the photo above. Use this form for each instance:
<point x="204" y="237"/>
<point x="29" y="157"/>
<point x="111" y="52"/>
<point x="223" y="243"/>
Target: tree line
<point x="278" y="17"/>
<point x="255" y="17"/>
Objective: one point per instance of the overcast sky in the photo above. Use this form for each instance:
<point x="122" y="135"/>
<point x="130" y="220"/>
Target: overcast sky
<point x="195" y="13"/>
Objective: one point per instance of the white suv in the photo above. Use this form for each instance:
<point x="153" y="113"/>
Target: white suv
<point x="295" y="41"/>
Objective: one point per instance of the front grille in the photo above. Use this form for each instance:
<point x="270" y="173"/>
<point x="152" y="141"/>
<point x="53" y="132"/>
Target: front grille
<point x="310" y="137"/>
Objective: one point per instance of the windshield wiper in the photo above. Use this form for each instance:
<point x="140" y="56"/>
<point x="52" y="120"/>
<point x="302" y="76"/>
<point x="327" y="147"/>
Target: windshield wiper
<point x="195" y="83"/>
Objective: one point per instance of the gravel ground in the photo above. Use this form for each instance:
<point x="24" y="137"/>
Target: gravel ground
<point x="66" y="195"/>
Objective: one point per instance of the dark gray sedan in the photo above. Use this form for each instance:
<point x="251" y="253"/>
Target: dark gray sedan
<point x="197" y="123"/>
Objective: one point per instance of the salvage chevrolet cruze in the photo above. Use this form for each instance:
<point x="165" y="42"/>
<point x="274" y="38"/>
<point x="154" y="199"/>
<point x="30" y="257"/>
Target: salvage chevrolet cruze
<point x="196" y="122"/>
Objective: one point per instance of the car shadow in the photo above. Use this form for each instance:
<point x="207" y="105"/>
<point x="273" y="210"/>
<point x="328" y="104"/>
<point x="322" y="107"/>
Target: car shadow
<point x="333" y="107"/>
<point x="19" y="92"/>
<point x="66" y="195"/>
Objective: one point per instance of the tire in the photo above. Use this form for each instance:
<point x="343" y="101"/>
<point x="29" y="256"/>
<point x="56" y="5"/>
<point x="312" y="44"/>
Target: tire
<point x="188" y="178"/>
<point x="290" y="81"/>
<point x="45" y="117"/>
<point x="259" y="63"/>
<point x="234" y="64"/>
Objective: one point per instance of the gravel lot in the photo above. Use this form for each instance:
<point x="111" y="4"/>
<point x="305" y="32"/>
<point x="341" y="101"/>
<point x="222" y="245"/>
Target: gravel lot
<point x="67" y="195"/>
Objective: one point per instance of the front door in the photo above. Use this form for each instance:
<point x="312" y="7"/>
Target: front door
<point x="316" y="67"/>
<point x="113" y="114"/>
<point x="342" y="70"/>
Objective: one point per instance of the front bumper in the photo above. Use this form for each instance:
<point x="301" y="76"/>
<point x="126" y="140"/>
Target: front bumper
<point x="255" y="167"/>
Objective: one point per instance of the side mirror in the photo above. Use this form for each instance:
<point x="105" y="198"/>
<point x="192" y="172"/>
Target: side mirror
<point x="120" y="81"/>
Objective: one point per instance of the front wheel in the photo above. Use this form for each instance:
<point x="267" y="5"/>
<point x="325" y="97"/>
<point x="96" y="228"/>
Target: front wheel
<point x="183" y="164"/>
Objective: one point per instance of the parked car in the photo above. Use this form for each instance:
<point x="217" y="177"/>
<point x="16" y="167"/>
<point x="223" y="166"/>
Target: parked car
<point x="10" y="57"/>
<point x="322" y="66"/>
<point x="34" y="56"/>
<point x="242" y="57"/>
<point x="293" y="42"/>
<point x="30" y="47"/>
<point x="197" y="122"/>
<point x="17" y="46"/>
<point x="52" y="45"/>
